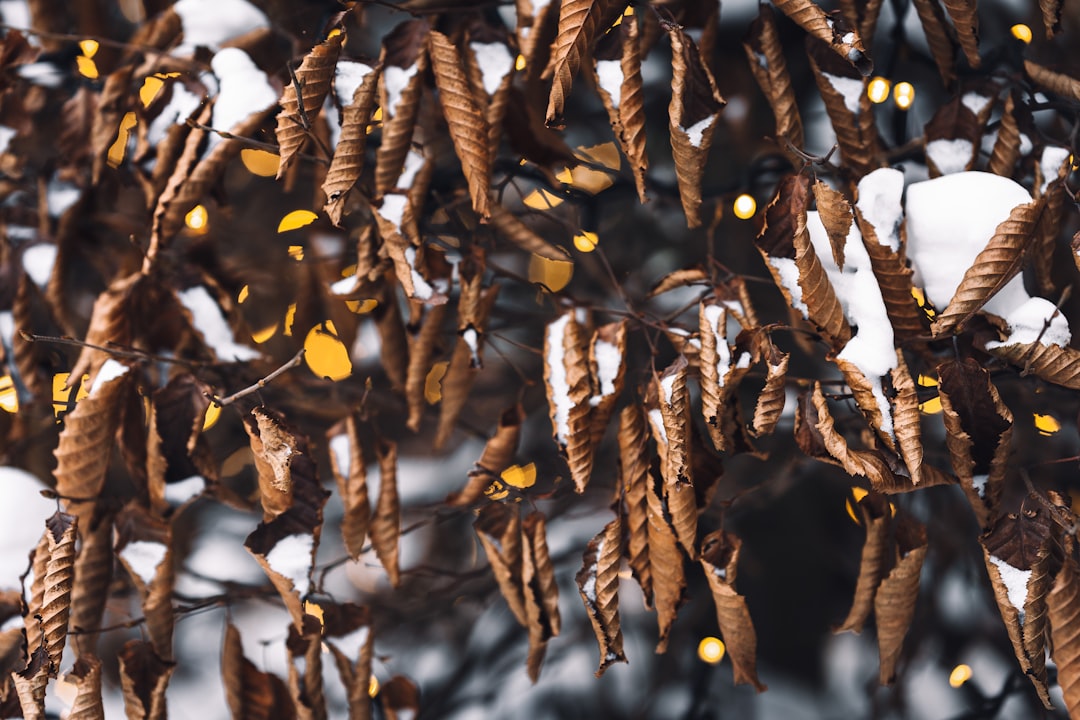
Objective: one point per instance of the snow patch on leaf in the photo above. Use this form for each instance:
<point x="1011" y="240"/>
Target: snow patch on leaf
<point x="1016" y="582"/>
<point x="291" y="558"/>
<point x="144" y="557"/>
<point x="209" y="322"/>
<point x="109" y="371"/>
<point x="1035" y="319"/>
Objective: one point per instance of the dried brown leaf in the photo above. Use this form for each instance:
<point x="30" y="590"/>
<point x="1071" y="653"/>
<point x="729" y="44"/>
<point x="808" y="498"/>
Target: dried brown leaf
<point x="274" y="448"/>
<point x="143" y="679"/>
<point x="404" y="61"/>
<point x="866" y="463"/>
<point x="634" y="480"/>
<point x="1054" y="82"/>
<point x="400" y="698"/>
<point x="965" y="19"/>
<point x="719" y="560"/>
<point x="680" y="278"/>
<point x="765" y="56"/>
<point x="303" y="98"/>
<point x="385" y="527"/>
<point x="422" y="346"/>
<point x="85" y="675"/>
<point x="665" y="565"/>
<point x="997" y="264"/>
<point x="579" y="27"/>
<point x="676" y="469"/>
<point x="348" y="161"/>
<point x="907" y="425"/>
<point x="1051" y="15"/>
<point x="393" y="343"/>
<point x="1007" y="146"/>
<point x="692" y="116"/>
<point x="835" y="213"/>
<point x="873" y="562"/>
<point x="771" y="399"/>
<point x="1063" y="604"/>
<point x="110" y="323"/>
<point x="626" y="110"/>
<point x="468" y="126"/>
<point x="250" y="692"/>
<point x="1053" y="363"/>
<point x="175" y="448"/>
<point x="894" y="279"/>
<point x="144" y="548"/>
<point x="499" y="529"/>
<point x="598" y="584"/>
<point x="856" y="133"/>
<point x="953" y="128"/>
<point x="46" y="619"/>
<point x="1042" y="251"/>
<point x="305" y="669"/>
<point x="93" y="574"/>
<point x="566" y="377"/>
<point x="465" y="362"/>
<point x="940" y="38"/>
<point x="607" y="365"/>
<point x="830" y="30"/>
<point x="540" y="592"/>
<point x="513" y="229"/>
<point x="894" y="604"/>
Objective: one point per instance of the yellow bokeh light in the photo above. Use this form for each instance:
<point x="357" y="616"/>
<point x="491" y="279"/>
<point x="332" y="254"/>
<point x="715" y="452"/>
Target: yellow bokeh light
<point x="259" y="162"/>
<point x="927" y="381"/>
<point x="1046" y="424"/>
<point x="554" y="275"/>
<point x="89" y="48"/>
<point x="290" y="315"/>
<point x="261" y="336"/>
<point x="243" y="295"/>
<point x="377" y="115"/>
<point x="315" y="610"/>
<point x="296" y="252"/>
<point x="904" y="95"/>
<point x="119" y="147"/>
<point x="520" y="477"/>
<point x="878" y="90"/>
<point x="1021" y="32"/>
<point x="198" y="220"/>
<point x="519" y="63"/>
<point x="496" y="491"/>
<point x="586" y="241"/>
<point x="931" y="406"/>
<point x="333" y="33"/>
<point x="373" y="686"/>
<point x="433" y="382"/>
<point x="9" y="399"/>
<point x="64" y="396"/>
<point x="542" y="200"/>
<point x="361" y="307"/>
<point x="86" y="67"/>
<point x="150" y="88"/>
<point x="605" y="154"/>
<point x="296" y="219"/>
<point x="959" y="675"/>
<point x="744" y="207"/>
<point x="326" y="356"/>
<point x="851" y="512"/>
<point x="213" y="412"/>
<point x="710" y="650"/>
<point x="859" y="493"/>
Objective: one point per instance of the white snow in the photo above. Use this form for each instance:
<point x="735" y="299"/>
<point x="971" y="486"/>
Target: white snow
<point x="1027" y="321"/>
<point x="343" y="286"/>
<point x="1016" y="582"/>
<point x="352" y="643"/>
<point x="696" y="132"/>
<point x="341" y="453"/>
<point x="178" y="493"/>
<point x="975" y="102"/>
<point x="608" y="362"/>
<point x="60" y="195"/>
<point x="560" y="390"/>
<point x="421" y="289"/>
<point x="744" y="361"/>
<point x="716" y="315"/>
<point x="348" y="76"/>
<point x="979" y="482"/>
<point x="393" y="208"/>
<point x="16" y="13"/>
<point x="414" y="160"/>
<point x="244" y="90"/>
<point x="44" y="73"/>
<point x="1025" y="145"/>
<point x="209" y="322"/>
<point x="871" y="348"/>
<point x="110" y="370"/>
<point x="849" y="88"/>
<point x="950" y="156"/>
<point x="879" y="204"/>
<point x="38" y="261"/>
<point x="656" y="419"/>
<point x="1051" y="160"/>
<point x="144" y="557"/>
<point x="395" y="79"/>
<point x="667" y="385"/>
<point x="181" y="105"/>
<point x="291" y="557"/>
<point x="789" y="278"/>
<point x="7" y="328"/>
<point x="950" y="220"/>
<point x="22" y="516"/>
<point x="588" y="588"/>
<point x="473" y="341"/>
<point x="6" y="136"/>
<point x="610" y="75"/>
<point x="210" y="23"/>
<point x="495" y="62"/>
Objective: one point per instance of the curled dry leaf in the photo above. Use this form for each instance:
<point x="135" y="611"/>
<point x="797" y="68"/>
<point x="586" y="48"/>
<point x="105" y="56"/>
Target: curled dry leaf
<point x="351" y="622"/>
<point x="894" y="279"/>
<point x="251" y="693"/>
<point x="665" y="565"/>
<point x="978" y="430"/>
<point x="766" y="59"/>
<point x="541" y="594"/>
<point x="497" y="456"/>
<point x="30" y="684"/>
<point x="940" y="38"/>
<point x="350" y="471"/>
<point x="175" y="448"/>
<point x="1042" y="250"/>
<point x="393" y="343"/>
<point x="849" y="108"/>
<point x="273" y="447"/>
<point x="907" y="425"/>
<point x="348" y="161"/>
<point x="404" y="61"/>
<point x="598" y="583"/>
<point x="965" y="19"/>
<point x="1054" y="82"/>
<point x="616" y="71"/>
<point x="1007" y="146"/>
<point x="93" y="574"/>
<point x="692" y="114"/>
<point x="870" y="464"/>
<point x="422" y="346"/>
<point x="1051" y="15"/>
<point x="305" y="668"/>
<point x="719" y="560"/>
<point x="894" y="603"/>
<point x="385" y="525"/>
<point x="997" y="264"/>
<point x="468" y="126"/>
<point x="517" y="232"/>
<point x="676" y="469"/>
<point x="566" y="377"/>
<point x="55" y="555"/>
<point x="474" y="305"/>
<point x="579" y="27"/>
<point x="634" y="480"/>
<point x="771" y="399"/>
<point x="680" y="278"/>
<point x="400" y="698"/>
<point x="1063" y="605"/>
<point x="1019" y="559"/>
<point x="835" y="213"/>
<point x="830" y="30"/>
<point x="144" y="548"/>
<point x="489" y="62"/>
<point x="952" y="138"/>
<point x="303" y="98"/>
<point x="499" y="529"/>
<point x="85" y="675"/>
<point x="607" y="365"/>
<point x="110" y="323"/>
<point x="876" y="518"/>
<point x="143" y="679"/>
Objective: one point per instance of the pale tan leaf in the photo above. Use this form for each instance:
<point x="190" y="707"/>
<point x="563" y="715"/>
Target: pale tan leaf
<point x="273" y="447"/>
<point x="830" y="30"/>
<point x="894" y="604"/>
<point x="400" y="698"/>
<point x="1051" y="15"/>
<point x="566" y="378"/>
<point x="404" y="61"/>
<point x="1058" y="83"/>
<point x="907" y="425"/>
<point x="499" y="529"/>
<point x="965" y="18"/>
<point x="251" y="693"/>
<point x="348" y="161"/>
<point x="873" y="562"/>
<point x="93" y="573"/>
<point x="634" y="480"/>
<point x="513" y="229"/>
<point x="856" y="133"/>
<point x="142" y="539"/>
<point x="955" y="127"/>
<point x="719" y="560"/>
<point x="771" y="399"/>
<point x="468" y="126"/>
<point x="52" y="616"/>
<point x="607" y="364"/>
<point x="143" y="679"/>
<point x="385" y="527"/>
<point x="997" y="264"/>
<point x="626" y="111"/>
<point x="303" y="98"/>
<point x="894" y="279"/>
<point x="541" y="594"/>
<point x="85" y="675"/>
<point x="765" y="55"/>
<point x="680" y="278"/>
<point x="1063" y="604"/>
<point x="598" y="584"/>
<point x="677" y="470"/>
<point x="579" y="27"/>
<point x="422" y="346"/>
<point x="940" y="38"/>
<point x="305" y="669"/>
<point x="835" y="213"/>
<point x="30" y="685"/>
<point x="350" y="472"/>
<point x="665" y="565"/>
<point x="692" y="117"/>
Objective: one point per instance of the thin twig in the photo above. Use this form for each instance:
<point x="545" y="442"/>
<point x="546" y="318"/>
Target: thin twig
<point x="107" y="42"/>
<point x="129" y="353"/>
<point x="258" y="144"/>
<point x="263" y="382"/>
<point x="1046" y="326"/>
